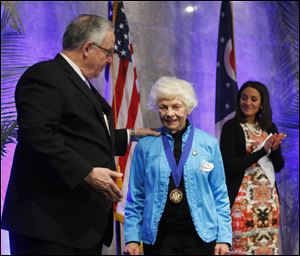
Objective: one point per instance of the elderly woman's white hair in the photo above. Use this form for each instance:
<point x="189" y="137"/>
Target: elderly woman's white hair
<point x="169" y="88"/>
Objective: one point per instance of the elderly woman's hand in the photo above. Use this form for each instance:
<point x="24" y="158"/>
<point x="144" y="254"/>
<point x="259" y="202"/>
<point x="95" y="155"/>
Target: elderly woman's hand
<point x="132" y="249"/>
<point x="222" y="249"/>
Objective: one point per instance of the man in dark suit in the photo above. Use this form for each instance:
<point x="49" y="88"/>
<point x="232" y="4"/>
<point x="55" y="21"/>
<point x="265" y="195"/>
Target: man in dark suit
<point x="61" y="188"/>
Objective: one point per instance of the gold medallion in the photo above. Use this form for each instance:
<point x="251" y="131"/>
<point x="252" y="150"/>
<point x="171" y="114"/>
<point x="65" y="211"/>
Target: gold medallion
<point x="176" y="196"/>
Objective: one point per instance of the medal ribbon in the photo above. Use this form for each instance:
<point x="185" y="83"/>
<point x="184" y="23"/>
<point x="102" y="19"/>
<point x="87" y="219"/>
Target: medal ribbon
<point x="177" y="170"/>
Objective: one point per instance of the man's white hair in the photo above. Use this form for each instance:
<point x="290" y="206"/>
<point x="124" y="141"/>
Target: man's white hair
<point x="170" y="88"/>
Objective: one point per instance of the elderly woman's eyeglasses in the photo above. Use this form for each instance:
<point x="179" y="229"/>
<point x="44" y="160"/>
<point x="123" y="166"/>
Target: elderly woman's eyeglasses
<point x="108" y="52"/>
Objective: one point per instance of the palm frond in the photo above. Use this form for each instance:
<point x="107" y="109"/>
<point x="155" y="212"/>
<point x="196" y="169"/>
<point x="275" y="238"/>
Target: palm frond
<point x="13" y="64"/>
<point x="8" y="133"/>
<point x="12" y="17"/>
<point x="287" y="118"/>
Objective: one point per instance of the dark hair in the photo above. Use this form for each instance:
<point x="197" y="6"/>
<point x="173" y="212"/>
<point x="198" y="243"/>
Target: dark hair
<point x="264" y="115"/>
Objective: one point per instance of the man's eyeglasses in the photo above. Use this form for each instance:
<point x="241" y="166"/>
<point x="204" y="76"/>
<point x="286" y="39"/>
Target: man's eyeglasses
<point x="108" y="52"/>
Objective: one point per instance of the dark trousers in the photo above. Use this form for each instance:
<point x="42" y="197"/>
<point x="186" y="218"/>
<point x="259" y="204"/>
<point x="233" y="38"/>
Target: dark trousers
<point x="25" y="245"/>
<point x="179" y="242"/>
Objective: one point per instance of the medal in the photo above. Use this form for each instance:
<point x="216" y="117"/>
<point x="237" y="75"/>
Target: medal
<point x="176" y="196"/>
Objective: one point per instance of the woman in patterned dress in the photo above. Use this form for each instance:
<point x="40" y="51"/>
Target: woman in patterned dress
<point x="250" y="146"/>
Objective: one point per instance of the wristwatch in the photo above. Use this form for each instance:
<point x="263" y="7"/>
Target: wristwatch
<point x="133" y="136"/>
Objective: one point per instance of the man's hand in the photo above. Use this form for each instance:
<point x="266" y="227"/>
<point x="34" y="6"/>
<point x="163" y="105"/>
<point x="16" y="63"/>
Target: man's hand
<point x="132" y="249"/>
<point x="102" y="180"/>
<point x="141" y="132"/>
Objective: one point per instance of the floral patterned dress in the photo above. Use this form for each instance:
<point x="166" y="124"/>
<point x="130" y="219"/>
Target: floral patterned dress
<point x="255" y="212"/>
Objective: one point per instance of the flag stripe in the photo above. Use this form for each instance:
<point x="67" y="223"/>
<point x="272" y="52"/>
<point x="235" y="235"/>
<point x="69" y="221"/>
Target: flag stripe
<point x="133" y="108"/>
<point x="120" y="84"/>
<point x="123" y="111"/>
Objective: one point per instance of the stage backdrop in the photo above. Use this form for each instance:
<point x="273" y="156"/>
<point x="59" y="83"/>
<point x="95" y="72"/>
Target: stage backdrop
<point x="169" y="40"/>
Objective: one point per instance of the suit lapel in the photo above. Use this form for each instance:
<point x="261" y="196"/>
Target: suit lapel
<point x="106" y="109"/>
<point x="82" y="86"/>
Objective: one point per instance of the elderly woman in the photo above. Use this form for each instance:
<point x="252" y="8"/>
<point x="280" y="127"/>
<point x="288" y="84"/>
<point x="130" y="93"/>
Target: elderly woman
<point x="177" y="201"/>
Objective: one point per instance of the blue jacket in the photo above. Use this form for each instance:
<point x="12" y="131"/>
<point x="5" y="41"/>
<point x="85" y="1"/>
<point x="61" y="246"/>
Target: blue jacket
<point x="205" y="187"/>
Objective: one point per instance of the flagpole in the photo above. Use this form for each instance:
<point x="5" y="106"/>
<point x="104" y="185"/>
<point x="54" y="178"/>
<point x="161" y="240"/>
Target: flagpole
<point x="233" y="46"/>
<point x="126" y="104"/>
<point x="119" y="181"/>
<point x="115" y="8"/>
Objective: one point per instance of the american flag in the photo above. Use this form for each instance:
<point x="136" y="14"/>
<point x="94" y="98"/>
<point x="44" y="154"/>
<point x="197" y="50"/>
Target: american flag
<point x="126" y="99"/>
<point x="226" y="85"/>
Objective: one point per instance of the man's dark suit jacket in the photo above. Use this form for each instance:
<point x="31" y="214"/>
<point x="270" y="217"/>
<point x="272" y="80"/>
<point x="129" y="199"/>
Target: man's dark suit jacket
<point x="62" y="135"/>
